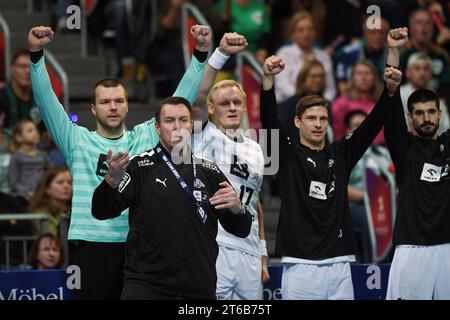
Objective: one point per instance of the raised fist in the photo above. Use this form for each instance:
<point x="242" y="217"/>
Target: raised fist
<point x="202" y="36"/>
<point x="232" y="43"/>
<point x="273" y="65"/>
<point x="392" y="78"/>
<point x="397" y="38"/>
<point x="39" y="37"/>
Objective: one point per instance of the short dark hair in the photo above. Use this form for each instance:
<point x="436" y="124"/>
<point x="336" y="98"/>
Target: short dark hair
<point x="108" y="83"/>
<point x="351" y="114"/>
<point x="422" y="95"/>
<point x="19" y="53"/>
<point x="308" y="102"/>
<point x="171" y="101"/>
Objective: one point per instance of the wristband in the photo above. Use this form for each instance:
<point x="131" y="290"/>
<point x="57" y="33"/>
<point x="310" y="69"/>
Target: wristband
<point x="263" y="247"/>
<point x="217" y="59"/>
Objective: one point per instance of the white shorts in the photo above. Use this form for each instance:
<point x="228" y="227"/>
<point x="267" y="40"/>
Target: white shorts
<point x="330" y="281"/>
<point x="238" y="275"/>
<point x="420" y="272"/>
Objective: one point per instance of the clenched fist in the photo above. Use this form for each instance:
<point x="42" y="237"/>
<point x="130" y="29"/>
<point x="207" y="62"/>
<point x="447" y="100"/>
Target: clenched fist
<point x="202" y="36"/>
<point x="39" y="37"/>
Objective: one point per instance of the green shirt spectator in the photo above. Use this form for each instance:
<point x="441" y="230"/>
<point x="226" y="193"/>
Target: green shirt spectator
<point x="246" y="17"/>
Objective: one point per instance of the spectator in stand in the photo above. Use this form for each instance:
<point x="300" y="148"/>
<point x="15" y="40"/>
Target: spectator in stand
<point x="371" y="47"/>
<point x="421" y="39"/>
<point x="310" y="81"/>
<point x="46" y="253"/>
<point x="440" y="12"/>
<point x="16" y="99"/>
<point x="52" y="197"/>
<point x="166" y="55"/>
<point x="378" y="159"/>
<point x="5" y="155"/>
<point x="296" y="54"/>
<point x="419" y="74"/>
<point x="362" y="92"/>
<point x="281" y="12"/>
<point x="28" y="162"/>
<point x="249" y="18"/>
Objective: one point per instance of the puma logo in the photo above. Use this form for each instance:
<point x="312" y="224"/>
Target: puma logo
<point x="162" y="182"/>
<point x="312" y="161"/>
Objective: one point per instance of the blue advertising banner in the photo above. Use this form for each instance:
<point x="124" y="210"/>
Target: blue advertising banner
<point x="35" y="285"/>
<point x="369" y="281"/>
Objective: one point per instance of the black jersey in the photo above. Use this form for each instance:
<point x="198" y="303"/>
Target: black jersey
<point x="168" y="246"/>
<point x="315" y="221"/>
<point x="423" y="180"/>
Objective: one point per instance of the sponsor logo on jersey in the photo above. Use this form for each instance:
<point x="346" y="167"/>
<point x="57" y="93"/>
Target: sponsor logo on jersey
<point x="198" y="184"/>
<point x="198" y="195"/>
<point x="124" y="182"/>
<point x="210" y="165"/>
<point x="145" y="163"/>
<point x="317" y="190"/>
<point x="312" y="161"/>
<point x="239" y="169"/>
<point x="163" y="182"/>
<point x="432" y="173"/>
<point x="102" y="165"/>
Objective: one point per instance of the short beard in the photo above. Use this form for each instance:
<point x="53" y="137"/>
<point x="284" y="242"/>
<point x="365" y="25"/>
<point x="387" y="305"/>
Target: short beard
<point x="112" y="130"/>
<point x="426" y="134"/>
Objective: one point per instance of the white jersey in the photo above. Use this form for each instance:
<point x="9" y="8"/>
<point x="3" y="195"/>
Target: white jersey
<point x="242" y="162"/>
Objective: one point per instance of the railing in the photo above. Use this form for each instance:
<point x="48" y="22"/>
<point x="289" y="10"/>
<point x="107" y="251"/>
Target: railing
<point x="7" y="41"/>
<point x="87" y="6"/>
<point x="43" y="227"/>
<point x="62" y="75"/>
<point x="190" y="16"/>
<point x="249" y="73"/>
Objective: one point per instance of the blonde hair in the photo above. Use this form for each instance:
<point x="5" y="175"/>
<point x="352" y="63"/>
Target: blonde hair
<point x="299" y="16"/>
<point x="225" y="84"/>
<point x="376" y="89"/>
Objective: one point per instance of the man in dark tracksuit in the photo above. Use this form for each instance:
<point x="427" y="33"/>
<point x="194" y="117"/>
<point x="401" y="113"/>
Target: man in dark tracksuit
<point x="174" y="210"/>
<point x="315" y="236"/>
